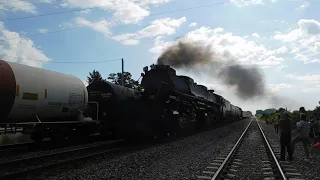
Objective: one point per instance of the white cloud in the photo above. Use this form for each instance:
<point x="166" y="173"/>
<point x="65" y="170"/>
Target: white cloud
<point x="194" y="24"/>
<point x="13" y="45"/>
<point x="303" y="6"/>
<point x="279" y="87"/>
<point x="304" y="41"/>
<point x="24" y="6"/>
<point x="46" y="1"/>
<point x="124" y="11"/>
<point x="159" y="27"/>
<point x="100" y="26"/>
<point x="41" y="30"/>
<point x="87" y="11"/>
<point x="242" y="3"/>
<point x="256" y="35"/>
<point x="229" y="47"/>
<point x="306" y="28"/>
<point x="309" y="78"/>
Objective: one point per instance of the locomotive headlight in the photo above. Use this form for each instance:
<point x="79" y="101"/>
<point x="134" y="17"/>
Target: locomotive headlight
<point x="142" y="89"/>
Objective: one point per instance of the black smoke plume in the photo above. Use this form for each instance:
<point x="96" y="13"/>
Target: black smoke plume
<point x="247" y="80"/>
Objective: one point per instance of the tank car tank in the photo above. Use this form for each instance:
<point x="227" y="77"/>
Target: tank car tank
<point x="38" y="97"/>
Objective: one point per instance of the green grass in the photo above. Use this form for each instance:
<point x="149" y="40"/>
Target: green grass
<point x="6" y="139"/>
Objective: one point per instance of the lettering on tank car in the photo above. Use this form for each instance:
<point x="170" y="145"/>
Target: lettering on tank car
<point x="29" y="96"/>
<point x="106" y="95"/>
<point x="26" y="106"/>
<point x="75" y="99"/>
<point x="57" y="104"/>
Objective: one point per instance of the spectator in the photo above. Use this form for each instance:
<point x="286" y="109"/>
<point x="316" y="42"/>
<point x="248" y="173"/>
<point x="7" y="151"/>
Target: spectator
<point x="285" y="136"/>
<point x="276" y="123"/>
<point x="303" y="135"/>
<point x="315" y="129"/>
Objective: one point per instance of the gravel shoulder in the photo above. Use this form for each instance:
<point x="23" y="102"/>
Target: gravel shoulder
<point x="311" y="169"/>
<point x="182" y="159"/>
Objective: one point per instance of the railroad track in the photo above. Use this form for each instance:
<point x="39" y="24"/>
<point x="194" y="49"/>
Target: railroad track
<point x="23" y="148"/>
<point x="237" y="162"/>
<point x="22" y="167"/>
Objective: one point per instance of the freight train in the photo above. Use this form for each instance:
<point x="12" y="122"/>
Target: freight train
<point x="56" y="105"/>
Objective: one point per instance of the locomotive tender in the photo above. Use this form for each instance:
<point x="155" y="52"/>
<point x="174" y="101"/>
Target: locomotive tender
<point x="56" y="105"/>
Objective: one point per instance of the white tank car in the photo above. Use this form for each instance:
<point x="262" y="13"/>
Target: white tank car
<point x="26" y="91"/>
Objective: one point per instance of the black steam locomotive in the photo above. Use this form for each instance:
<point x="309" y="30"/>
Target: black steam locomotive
<point x="165" y="104"/>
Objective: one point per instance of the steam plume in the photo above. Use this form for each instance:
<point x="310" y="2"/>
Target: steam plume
<point x="248" y="81"/>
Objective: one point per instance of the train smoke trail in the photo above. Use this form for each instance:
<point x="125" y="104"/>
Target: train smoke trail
<point x="247" y="80"/>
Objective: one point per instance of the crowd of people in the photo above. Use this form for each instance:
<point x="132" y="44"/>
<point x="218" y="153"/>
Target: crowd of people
<point x="306" y="132"/>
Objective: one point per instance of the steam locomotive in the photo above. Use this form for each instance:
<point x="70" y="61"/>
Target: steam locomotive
<point x="165" y="104"/>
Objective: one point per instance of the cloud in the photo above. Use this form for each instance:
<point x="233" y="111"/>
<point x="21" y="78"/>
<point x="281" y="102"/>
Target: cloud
<point x="13" y="45"/>
<point x="159" y="27"/>
<point x="303" y="6"/>
<point x="101" y="26"/>
<point x="256" y="35"/>
<point x="124" y="11"/>
<point x="309" y="78"/>
<point x="242" y="3"/>
<point x="304" y="41"/>
<point x="87" y="11"/>
<point x="228" y="47"/>
<point x="42" y="30"/>
<point x="279" y="87"/>
<point x="194" y="24"/>
<point x="23" y="6"/>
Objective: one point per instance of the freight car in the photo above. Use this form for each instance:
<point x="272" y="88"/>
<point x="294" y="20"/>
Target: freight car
<point x="172" y="104"/>
<point x="109" y="97"/>
<point x="44" y="103"/>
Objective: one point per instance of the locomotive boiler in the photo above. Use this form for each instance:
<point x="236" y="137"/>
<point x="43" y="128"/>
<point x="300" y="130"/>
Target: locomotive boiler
<point x="44" y="103"/>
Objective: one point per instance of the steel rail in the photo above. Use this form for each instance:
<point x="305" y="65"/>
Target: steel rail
<point x="227" y="159"/>
<point x="274" y="158"/>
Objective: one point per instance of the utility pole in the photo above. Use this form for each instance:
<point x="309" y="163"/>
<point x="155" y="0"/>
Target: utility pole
<point x="122" y="72"/>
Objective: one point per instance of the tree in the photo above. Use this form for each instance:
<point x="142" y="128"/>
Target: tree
<point x="128" y="81"/>
<point x="94" y="76"/>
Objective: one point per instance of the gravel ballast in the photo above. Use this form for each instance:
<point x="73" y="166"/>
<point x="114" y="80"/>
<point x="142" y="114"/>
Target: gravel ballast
<point x="309" y="169"/>
<point x="182" y="159"/>
<point x="251" y="155"/>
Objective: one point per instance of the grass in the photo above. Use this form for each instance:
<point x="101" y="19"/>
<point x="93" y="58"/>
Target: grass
<point x="6" y="139"/>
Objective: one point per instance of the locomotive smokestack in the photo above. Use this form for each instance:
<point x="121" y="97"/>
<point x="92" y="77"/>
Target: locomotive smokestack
<point x="248" y="81"/>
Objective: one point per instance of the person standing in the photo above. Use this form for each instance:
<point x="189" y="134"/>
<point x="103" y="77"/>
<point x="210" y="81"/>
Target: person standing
<point x="276" y="124"/>
<point x="285" y="136"/>
<point x="303" y="135"/>
<point x="315" y="129"/>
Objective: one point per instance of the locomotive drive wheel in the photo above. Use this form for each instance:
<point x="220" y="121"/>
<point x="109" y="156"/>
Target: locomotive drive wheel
<point x="36" y="136"/>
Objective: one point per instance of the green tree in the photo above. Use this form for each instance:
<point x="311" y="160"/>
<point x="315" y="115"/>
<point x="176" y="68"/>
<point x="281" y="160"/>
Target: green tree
<point x="94" y="76"/>
<point x="128" y="81"/>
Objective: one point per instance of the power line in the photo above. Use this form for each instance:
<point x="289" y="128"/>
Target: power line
<point x="62" y="62"/>
<point x="155" y="14"/>
<point x="77" y="10"/>
<point x="49" y="14"/>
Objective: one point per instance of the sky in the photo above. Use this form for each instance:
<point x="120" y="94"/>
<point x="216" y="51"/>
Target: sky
<point x="280" y="37"/>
